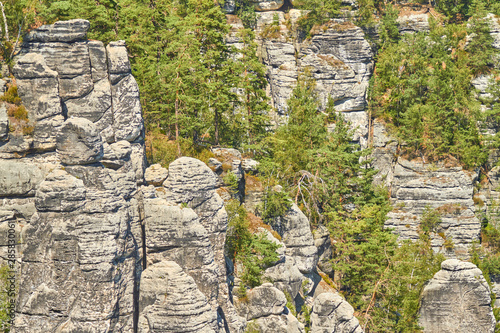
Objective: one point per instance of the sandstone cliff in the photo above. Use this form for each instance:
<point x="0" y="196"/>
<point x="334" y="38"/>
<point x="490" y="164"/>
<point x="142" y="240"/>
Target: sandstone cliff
<point x="106" y="245"/>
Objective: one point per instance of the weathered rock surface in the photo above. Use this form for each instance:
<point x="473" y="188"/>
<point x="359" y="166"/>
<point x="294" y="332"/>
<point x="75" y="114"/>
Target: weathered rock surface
<point x="191" y="182"/>
<point x="155" y="175"/>
<point x="75" y="77"/>
<point x="337" y="56"/>
<point x="264" y="308"/>
<point x="79" y="142"/>
<point x="174" y="233"/>
<point x="170" y="302"/>
<point x="331" y="313"/>
<point x="457" y="299"/>
<point x="4" y="123"/>
<point x="262" y="301"/>
<point x="296" y="234"/>
<point x="78" y="222"/>
<point x="267" y="5"/>
<point x="448" y="189"/>
<point x="63" y="31"/>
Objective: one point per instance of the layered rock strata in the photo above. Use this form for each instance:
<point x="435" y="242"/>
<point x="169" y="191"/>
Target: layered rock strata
<point x="457" y="299"/>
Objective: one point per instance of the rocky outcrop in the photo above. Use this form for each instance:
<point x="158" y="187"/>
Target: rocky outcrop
<point x="295" y="232"/>
<point x="457" y="299"/>
<point x="416" y="186"/>
<point x="265" y="309"/>
<point x="331" y="313"/>
<point x="77" y="221"/>
<point x="337" y="56"/>
<point x="170" y="302"/>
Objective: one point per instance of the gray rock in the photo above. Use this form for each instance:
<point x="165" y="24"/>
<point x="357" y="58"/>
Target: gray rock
<point x="413" y="23"/>
<point x="298" y="239"/>
<point x="457" y="299"/>
<point x="127" y="112"/>
<point x="117" y="154"/>
<point x="285" y="276"/>
<point x="191" y="182"/>
<point x="325" y="253"/>
<point x="38" y="87"/>
<point x="331" y="313"/>
<point x="448" y="189"/>
<point x="261" y="301"/>
<point x="227" y="153"/>
<point x="267" y="5"/>
<point x="284" y="323"/>
<point x="175" y="233"/>
<point x="229" y="6"/>
<point x="4" y="123"/>
<point x="98" y="60"/>
<point x="19" y="179"/>
<point x="215" y="165"/>
<point x="60" y="192"/>
<point x="79" y="142"/>
<point x="94" y="105"/>
<point x="338" y="56"/>
<point x="118" y="62"/>
<point x="80" y="260"/>
<point x="170" y="302"/>
<point x="249" y="165"/>
<point x="155" y="175"/>
<point x="62" y="31"/>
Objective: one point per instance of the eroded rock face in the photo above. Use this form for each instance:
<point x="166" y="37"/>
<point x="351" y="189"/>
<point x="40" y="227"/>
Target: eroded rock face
<point x="338" y="57"/>
<point x="331" y="313"/>
<point x="448" y="189"/>
<point x="79" y="142"/>
<point x="78" y="222"/>
<point x="79" y="78"/>
<point x="170" y="302"/>
<point x="296" y="235"/>
<point x="457" y="299"/>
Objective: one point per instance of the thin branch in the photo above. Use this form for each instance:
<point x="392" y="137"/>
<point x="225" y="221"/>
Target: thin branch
<point x="5" y="23"/>
<point x="17" y="39"/>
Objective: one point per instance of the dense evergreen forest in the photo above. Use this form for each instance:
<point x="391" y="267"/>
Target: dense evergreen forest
<point x="197" y="92"/>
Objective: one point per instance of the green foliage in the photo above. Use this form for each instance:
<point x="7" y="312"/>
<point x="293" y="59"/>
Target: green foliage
<point x="290" y="304"/>
<point x="306" y="312"/>
<point x="430" y="221"/>
<point x="253" y="251"/>
<point x="231" y="181"/>
<point x="389" y="32"/>
<point x="399" y="289"/>
<point x="246" y="12"/>
<point x="11" y="96"/>
<point x="427" y="97"/>
<point x="320" y="12"/>
<point x="274" y="204"/>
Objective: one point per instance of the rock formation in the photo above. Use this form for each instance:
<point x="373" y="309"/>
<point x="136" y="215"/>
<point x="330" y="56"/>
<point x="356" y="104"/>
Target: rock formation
<point x="457" y="299"/>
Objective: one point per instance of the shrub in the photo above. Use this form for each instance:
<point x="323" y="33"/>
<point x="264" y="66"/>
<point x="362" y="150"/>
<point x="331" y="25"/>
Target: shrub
<point x="11" y="96"/>
<point x="253" y="251"/>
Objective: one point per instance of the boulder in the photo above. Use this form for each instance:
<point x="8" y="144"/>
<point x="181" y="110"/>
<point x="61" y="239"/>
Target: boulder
<point x="267" y="5"/>
<point x="261" y="301"/>
<point x="155" y="175"/>
<point x="457" y="299"/>
<point x="19" y="179"/>
<point x="331" y="313"/>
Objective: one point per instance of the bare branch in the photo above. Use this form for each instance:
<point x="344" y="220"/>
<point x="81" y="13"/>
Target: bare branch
<point x="5" y="22"/>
